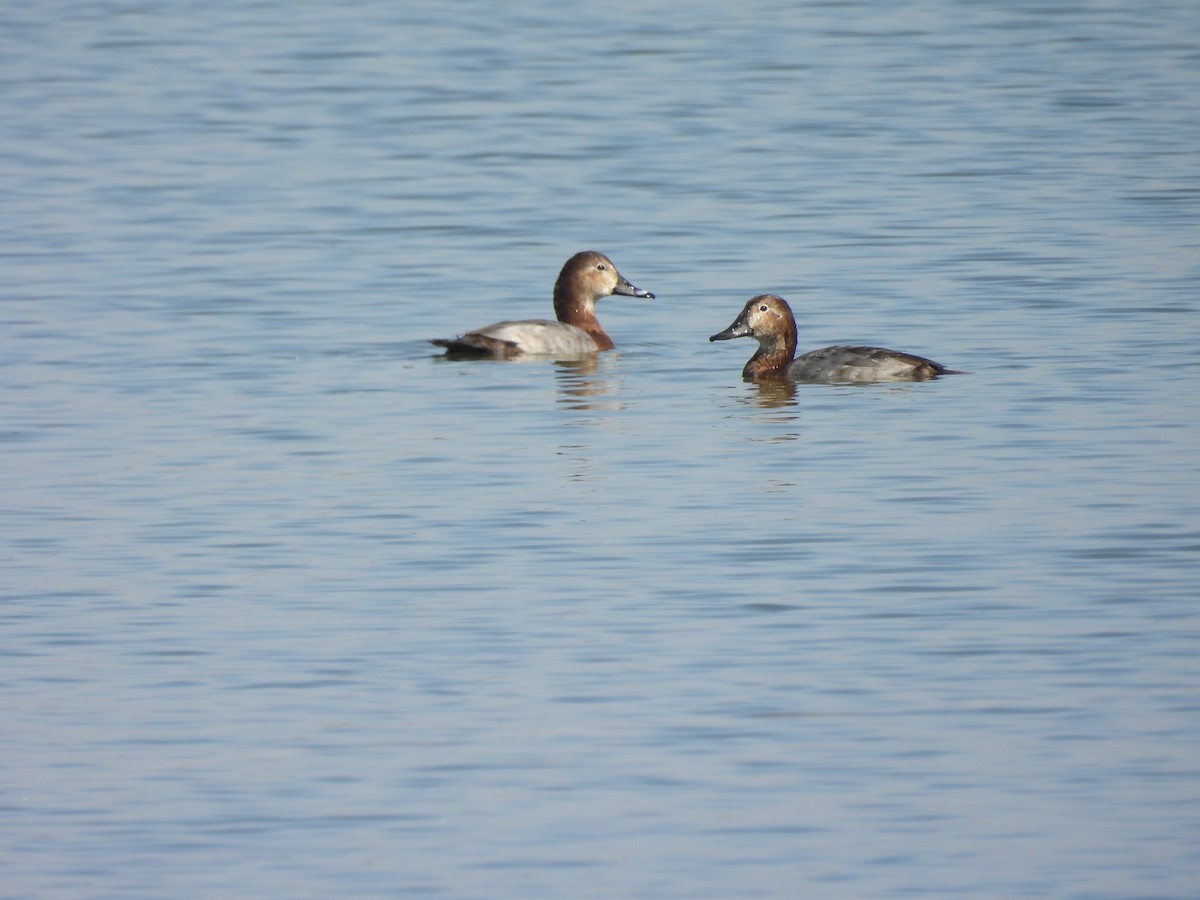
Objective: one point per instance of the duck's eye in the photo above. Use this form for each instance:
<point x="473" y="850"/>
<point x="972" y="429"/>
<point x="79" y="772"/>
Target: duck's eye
<point x="601" y="266"/>
<point x="762" y="308"/>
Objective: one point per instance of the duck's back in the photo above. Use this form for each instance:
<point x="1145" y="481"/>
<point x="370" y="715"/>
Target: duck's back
<point x="528" y="336"/>
<point x="841" y="363"/>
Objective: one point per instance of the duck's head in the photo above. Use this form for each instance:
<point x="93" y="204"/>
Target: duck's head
<point x="767" y="318"/>
<point x="588" y="276"/>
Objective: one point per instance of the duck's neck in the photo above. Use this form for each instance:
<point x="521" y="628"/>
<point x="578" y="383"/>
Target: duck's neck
<point x="581" y="314"/>
<point x="771" y="360"/>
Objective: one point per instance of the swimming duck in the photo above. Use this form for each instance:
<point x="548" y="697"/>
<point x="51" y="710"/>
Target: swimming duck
<point x="584" y="279"/>
<point x="769" y="320"/>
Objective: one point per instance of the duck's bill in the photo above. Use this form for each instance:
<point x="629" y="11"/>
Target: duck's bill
<point x="736" y="330"/>
<point x="629" y="290"/>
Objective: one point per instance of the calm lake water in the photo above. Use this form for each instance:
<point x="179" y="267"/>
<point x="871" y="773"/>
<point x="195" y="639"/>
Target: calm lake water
<point x="293" y="607"/>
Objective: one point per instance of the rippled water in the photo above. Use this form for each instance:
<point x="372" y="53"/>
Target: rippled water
<point x="294" y="607"/>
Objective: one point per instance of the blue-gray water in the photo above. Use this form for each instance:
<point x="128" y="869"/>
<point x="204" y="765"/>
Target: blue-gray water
<point x="291" y="607"/>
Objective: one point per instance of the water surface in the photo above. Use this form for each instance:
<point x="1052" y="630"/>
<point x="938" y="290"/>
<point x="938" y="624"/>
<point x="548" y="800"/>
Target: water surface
<point x="294" y="607"/>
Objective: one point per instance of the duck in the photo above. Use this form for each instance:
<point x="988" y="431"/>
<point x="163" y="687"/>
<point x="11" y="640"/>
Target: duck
<point x="769" y="320"/>
<point x="585" y="278"/>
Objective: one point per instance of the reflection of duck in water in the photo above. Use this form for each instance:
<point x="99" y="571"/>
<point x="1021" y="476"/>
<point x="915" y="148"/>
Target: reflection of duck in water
<point x="774" y="394"/>
<point x="587" y="383"/>
<point x="584" y="279"/>
<point x="769" y="320"/>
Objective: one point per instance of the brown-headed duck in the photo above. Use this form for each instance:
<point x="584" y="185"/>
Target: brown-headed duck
<point x="769" y="320"/>
<point x="584" y="279"/>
